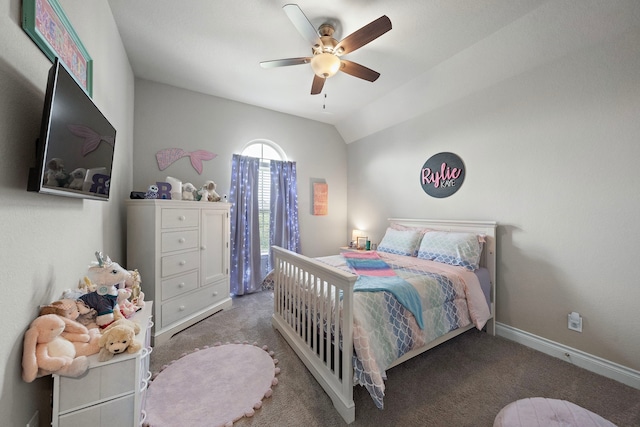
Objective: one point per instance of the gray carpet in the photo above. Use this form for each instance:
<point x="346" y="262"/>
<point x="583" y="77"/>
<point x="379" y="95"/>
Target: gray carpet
<point x="463" y="382"/>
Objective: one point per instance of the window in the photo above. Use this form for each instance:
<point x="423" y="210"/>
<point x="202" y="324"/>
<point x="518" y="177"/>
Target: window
<point x="265" y="151"/>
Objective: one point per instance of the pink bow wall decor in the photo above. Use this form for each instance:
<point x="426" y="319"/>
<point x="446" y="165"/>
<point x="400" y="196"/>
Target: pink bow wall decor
<point x="168" y="156"/>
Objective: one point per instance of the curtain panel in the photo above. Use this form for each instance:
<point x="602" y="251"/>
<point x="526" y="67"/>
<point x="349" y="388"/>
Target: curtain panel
<point x="284" y="230"/>
<point x="245" y="231"/>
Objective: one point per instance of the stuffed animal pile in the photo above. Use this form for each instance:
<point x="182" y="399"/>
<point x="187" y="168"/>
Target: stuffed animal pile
<point x="206" y="193"/>
<point x="105" y="275"/>
<point x="91" y="319"/>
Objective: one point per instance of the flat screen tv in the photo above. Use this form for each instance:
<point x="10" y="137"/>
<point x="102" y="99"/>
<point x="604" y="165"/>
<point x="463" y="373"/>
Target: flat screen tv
<point x="74" y="154"/>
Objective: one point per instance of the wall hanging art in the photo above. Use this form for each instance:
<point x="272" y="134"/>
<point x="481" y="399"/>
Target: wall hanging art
<point x="48" y="26"/>
<point x="442" y="175"/>
<point x="168" y="156"/>
<point x="320" y="198"/>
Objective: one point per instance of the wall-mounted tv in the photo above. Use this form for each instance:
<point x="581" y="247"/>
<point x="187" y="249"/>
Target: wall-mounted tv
<point x="74" y="154"/>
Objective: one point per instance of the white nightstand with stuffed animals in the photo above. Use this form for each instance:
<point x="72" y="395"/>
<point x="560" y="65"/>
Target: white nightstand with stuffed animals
<point x="111" y="393"/>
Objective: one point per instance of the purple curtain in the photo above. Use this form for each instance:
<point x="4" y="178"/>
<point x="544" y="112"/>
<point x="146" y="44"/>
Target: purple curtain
<point x="245" y="232"/>
<point x="283" y="227"/>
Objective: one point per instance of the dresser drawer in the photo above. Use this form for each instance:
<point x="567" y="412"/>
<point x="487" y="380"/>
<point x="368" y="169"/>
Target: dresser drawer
<point x="179" y="285"/>
<point x="179" y="240"/>
<point x="175" y="218"/>
<point x="219" y="291"/>
<point x="180" y="263"/>
<point x="180" y="308"/>
<point x="99" y="383"/>
<point x="117" y="412"/>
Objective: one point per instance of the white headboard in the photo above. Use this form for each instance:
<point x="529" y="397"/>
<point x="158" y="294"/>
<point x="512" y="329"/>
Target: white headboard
<point x="488" y="228"/>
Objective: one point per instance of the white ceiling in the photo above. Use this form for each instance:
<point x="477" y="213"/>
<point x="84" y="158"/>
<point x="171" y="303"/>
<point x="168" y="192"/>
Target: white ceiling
<point x="215" y="47"/>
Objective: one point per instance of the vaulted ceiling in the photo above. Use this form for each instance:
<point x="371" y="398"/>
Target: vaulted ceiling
<point x="437" y="50"/>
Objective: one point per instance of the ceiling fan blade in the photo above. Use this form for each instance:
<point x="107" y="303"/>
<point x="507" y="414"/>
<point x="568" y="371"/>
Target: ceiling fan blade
<point x="364" y="35"/>
<point x="317" y="85"/>
<point x="357" y="70"/>
<point x="284" y="62"/>
<point x="302" y="24"/>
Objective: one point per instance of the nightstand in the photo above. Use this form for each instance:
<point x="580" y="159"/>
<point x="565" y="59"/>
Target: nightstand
<point x="110" y="393"/>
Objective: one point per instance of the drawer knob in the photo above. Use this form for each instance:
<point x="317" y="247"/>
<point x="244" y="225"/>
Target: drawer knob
<point x="182" y="240"/>
<point x="215" y="294"/>
<point x="203" y="247"/>
<point x="183" y="262"/>
<point x="181" y="285"/>
<point x="182" y="218"/>
<point x="181" y="308"/>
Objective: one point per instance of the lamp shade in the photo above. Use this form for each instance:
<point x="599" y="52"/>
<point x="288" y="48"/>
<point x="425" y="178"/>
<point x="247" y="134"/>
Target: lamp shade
<point x="325" y="64"/>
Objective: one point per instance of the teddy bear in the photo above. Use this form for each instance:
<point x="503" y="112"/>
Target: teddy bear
<point x="55" y="176"/>
<point x="84" y="340"/>
<point x="45" y="351"/>
<point x="76" y="178"/>
<point x="208" y="192"/>
<point x="188" y="191"/>
<point x="105" y="275"/>
<point x="86" y="314"/>
<point x="118" y="338"/>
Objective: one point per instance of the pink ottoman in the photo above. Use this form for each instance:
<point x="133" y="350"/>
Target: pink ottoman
<point x="538" y="412"/>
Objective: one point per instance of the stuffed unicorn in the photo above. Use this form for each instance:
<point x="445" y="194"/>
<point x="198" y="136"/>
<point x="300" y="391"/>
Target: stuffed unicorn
<point x="105" y="275"/>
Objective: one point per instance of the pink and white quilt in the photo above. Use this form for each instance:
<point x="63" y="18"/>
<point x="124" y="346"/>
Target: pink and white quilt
<point x="384" y="329"/>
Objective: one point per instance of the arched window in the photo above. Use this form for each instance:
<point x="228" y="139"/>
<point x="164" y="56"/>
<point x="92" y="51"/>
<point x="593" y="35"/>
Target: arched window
<point x="264" y="150"/>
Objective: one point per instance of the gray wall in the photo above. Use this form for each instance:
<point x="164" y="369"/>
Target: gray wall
<point x="48" y="241"/>
<point x="168" y="117"/>
<point x="551" y="155"/>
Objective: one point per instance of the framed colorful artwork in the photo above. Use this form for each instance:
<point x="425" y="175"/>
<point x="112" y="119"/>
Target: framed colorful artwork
<point x="49" y="28"/>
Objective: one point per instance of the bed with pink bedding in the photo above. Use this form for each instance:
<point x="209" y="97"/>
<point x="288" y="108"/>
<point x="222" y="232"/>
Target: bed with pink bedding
<point x="353" y="316"/>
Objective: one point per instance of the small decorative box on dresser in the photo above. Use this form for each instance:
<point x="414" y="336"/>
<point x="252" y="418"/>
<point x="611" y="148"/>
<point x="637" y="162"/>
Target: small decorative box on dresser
<point x="181" y="250"/>
<point x="110" y="393"/>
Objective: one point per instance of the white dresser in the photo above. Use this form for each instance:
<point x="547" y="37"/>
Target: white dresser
<point x="181" y="250"/>
<point x="110" y="393"/>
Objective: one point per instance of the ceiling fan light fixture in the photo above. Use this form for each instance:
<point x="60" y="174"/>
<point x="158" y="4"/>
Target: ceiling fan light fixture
<point x="325" y="64"/>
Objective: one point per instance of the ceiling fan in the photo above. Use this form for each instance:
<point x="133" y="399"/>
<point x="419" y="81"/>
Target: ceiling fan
<point x="326" y="60"/>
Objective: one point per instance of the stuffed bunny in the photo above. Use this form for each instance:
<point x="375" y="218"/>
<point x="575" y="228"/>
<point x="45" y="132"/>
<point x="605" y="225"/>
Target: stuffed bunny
<point x="83" y="339"/>
<point x="45" y="352"/>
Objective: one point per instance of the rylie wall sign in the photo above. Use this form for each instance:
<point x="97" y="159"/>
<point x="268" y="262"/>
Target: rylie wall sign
<point x="442" y="175"/>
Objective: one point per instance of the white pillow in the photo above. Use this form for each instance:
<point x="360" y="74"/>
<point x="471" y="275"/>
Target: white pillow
<point x="452" y="248"/>
<point x="400" y="242"/>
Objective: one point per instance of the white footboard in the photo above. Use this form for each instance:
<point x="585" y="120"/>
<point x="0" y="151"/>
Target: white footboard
<point x="313" y="310"/>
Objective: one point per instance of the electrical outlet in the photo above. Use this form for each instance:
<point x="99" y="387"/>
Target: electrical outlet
<point x="34" y="421"/>
<point x="575" y="321"/>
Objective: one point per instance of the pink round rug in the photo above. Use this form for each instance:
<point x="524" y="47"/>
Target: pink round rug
<point x="211" y="387"/>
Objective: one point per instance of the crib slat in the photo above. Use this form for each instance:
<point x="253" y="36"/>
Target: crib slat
<point x="313" y="311"/>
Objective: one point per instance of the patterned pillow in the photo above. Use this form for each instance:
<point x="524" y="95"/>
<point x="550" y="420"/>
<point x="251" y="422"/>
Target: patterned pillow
<point x="400" y="242"/>
<point x="452" y="248"/>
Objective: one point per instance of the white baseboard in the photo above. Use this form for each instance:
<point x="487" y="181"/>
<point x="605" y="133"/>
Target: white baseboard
<point x="579" y="358"/>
